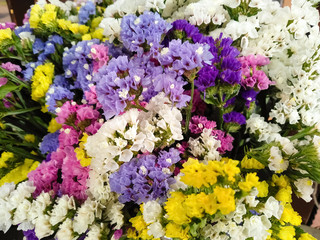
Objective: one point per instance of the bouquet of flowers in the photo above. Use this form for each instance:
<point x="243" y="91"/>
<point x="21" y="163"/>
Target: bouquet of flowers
<point x="159" y="119"/>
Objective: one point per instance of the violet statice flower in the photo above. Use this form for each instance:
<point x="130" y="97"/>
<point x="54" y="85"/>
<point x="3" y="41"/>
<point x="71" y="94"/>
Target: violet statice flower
<point x="167" y="158"/>
<point x="141" y="180"/>
<point x="147" y="28"/>
<point x="198" y="123"/>
<point x="6" y="25"/>
<point x="37" y="46"/>
<point x="25" y="28"/>
<point x="206" y="77"/>
<point x="85" y="11"/>
<point x="30" y="67"/>
<point x="248" y="95"/>
<point x="50" y="143"/>
<point x="57" y="93"/>
<point x="77" y="62"/>
<point x="234" y="117"/>
<point x="30" y="235"/>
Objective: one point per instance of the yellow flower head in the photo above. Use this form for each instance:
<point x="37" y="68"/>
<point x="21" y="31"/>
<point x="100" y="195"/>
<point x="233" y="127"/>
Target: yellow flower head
<point x="287" y="233"/>
<point x="290" y="216"/>
<point x="98" y="33"/>
<point x="251" y="163"/>
<point x="284" y="195"/>
<point x="193" y="173"/>
<point x="281" y="181"/>
<point x="175" y="208"/>
<point x="85" y="160"/>
<point x="306" y="236"/>
<point x="252" y="180"/>
<point x="230" y="168"/>
<point x="193" y="206"/>
<point x="176" y="231"/>
<point x="225" y="199"/>
<point x="30" y="138"/>
<point x="53" y="126"/>
<point x="49" y="18"/>
<point x="35" y="16"/>
<point x="2" y="125"/>
<point x="41" y="80"/>
<point x="5" y="34"/>
<point x="64" y="24"/>
<point x="263" y="188"/>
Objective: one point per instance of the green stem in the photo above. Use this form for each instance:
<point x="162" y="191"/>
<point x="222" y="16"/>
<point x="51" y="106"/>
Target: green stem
<point x="189" y="109"/>
<point x="13" y="78"/>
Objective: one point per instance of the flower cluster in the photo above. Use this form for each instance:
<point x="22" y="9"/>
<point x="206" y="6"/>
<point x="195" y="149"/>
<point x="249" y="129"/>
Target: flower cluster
<point x="159" y="119"/>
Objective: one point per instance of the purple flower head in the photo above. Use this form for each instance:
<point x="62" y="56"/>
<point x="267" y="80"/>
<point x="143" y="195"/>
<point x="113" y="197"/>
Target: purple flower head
<point x="30" y="235"/>
<point x="24" y="28"/>
<point x="234" y="117"/>
<point x="249" y="95"/>
<point x="231" y="77"/>
<point x="85" y="11"/>
<point x="225" y="139"/>
<point x="56" y="39"/>
<point x="50" y="143"/>
<point x="57" y="93"/>
<point x="198" y="123"/>
<point x="143" y="179"/>
<point x="206" y="77"/>
<point x="142" y="32"/>
<point x="167" y="159"/>
<point x="6" y="25"/>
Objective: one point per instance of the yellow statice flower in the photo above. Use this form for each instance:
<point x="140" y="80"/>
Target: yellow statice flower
<point x="86" y="37"/>
<point x="176" y="231"/>
<point x="210" y="203"/>
<point x="193" y="173"/>
<point x="98" y="33"/>
<point x="64" y="24"/>
<point x="41" y="80"/>
<point x="5" y="156"/>
<point x="85" y="160"/>
<point x="230" y="168"/>
<point x="306" y="236"/>
<point x="281" y="181"/>
<point x="284" y="195"/>
<point x="193" y="206"/>
<point x="30" y="138"/>
<point x="95" y="22"/>
<point x="48" y="18"/>
<point x="225" y="199"/>
<point x="263" y="188"/>
<point x="289" y="215"/>
<point x="141" y="229"/>
<point x="252" y="180"/>
<point x="35" y="16"/>
<point x="20" y="173"/>
<point x="287" y="233"/>
<point x="251" y="163"/>
<point x="53" y="126"/>
<point x="175" y="208"/>
<point x="5" y="34"/>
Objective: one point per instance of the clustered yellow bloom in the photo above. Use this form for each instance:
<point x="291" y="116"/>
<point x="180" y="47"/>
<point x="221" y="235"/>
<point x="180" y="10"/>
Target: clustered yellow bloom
<point x="306" y="236"/>
<point x="198" y="174"/>
<point x="85" y="160"/>
<point x="30" y="138"/>
<point x="5" y="156"/>
<point x="290" y="216"/>
<point x="41" y="80"/>
<point x="73" y="27"/>
<point x="53" y="126"/>
<point x="251" y="163"/>
<point x="287" y="233"/>
<point x="140" y="230"/>
<point x="285" y="191"/>
<point x="174" y="230"/>
<point x="20" y="173"/>
<point x="252" y="180"/>
<point x="5" y="34"/>
<point x="35" y="16"/>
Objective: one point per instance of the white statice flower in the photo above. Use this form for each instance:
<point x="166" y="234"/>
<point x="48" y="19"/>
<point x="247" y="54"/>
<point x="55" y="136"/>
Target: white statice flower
<point x="304" y="188"/>
<point x="85" y="216"/>
<point x="287" y="146"/>
<point x="6" y="189"/>
<point x="237" y="215"/>
<point x="61" y="208"/>
<point x="65" y="231"/>
<point x="43" y="226"/>
<point x="151" y="211"/>
<point x="94" y="232"/>
<point x="235" y="231"/>
<point x="245" y="26"/>
<point x="156" y="230"/>
<point x="114" y="213"/>
<point x="65" y="6"/>
<point x="21" y="212"/>
<point x="23" y="190"/>
<point x="272" y="207"/>
<point x="276" y="161"/>
<point x="256" y="227"/>
<point x="111" y="28"/>
<point x="5" y="215"/>
<point x="38" y="206"/>
<point x="178" y="184"/>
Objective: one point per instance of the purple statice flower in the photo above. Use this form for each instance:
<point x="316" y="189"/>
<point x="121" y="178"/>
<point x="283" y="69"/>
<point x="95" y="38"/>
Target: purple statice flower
<point x="206" y="77"/>
<point x="3" y="81"/>
<point x="57" y="93"/>
<point x="249" y="95"/>
<point x="198" y="123"/>
<point x="6" y="25"/>
<point x="234" y="117"/>
<point x="38" y="46"/>
<point x="24" y="28"/>
<point x="77" y="62"/>
<point x="142" y="32"/>
<point x="167" y="158"/>
<point x="30" y="235"/>
<point x="28" y="72"/>
<point x="85" y="11"/>
<point x="50" y="143"/>
<point x="142" y="179"/>
<point x="56" y="39"/>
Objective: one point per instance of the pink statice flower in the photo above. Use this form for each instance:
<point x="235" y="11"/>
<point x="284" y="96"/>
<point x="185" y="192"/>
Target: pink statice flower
<point x="117" y="234"/>
<point x="252" y="75"/>
<point x="86" y="112"/>
<point x="91" y="97"/>
<point x="11" y="67"/>
<point x="6" y="25"/>
<point x="225" y="139"/>
<point x="65" y="111"/>
<point x="94" y="127"/>
<point x="3" y="81"/>
<point x="198" y="123"/>
<point x="68" y="136"/>
<point x="99" y="53"/>
<point x="6" y="103"/>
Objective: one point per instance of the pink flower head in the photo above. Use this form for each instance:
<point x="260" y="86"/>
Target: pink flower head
<point x="94" y="127"/>
<point x="68" y="136"/>
<point x="99" y="53"/>
<point x="117" y="234"/>
<point x="74" y="176"/>
<point x="91" y="97"/>
<point x="225" y="139"/>
<point x="65" y="111"/>
<point x="87" y="112"/>
<point x="198" y="123"/>
<point x="11" y="67"/>
<point x="6" y="25"/>
<point x="3" y="81"/>
<point x="6" y="103"/>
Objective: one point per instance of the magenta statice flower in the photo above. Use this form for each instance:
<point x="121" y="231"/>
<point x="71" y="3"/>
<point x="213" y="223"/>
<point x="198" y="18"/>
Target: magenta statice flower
<point x="91" y="96"/>
<point x="225" y="139"/>
<point x="143" y="32"/>
<point x="11" y="67"/>
<point x="142" y="179"/>
<point x="6" y="25"/>
<point x="3" y="81"/>
<point x="68" y="136"/>
<point x="66" y="111"/>
<point x="234" y="117"/>
<point x="198" y="123"/>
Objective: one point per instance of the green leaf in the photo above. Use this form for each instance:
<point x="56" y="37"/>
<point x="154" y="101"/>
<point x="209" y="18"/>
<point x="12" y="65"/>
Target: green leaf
<point x="9" y="87"/>
<point x="16" y="112"/>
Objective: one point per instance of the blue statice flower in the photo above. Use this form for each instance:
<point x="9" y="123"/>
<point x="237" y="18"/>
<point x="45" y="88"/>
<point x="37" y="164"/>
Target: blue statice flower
<point x="143" y="32"/>
<point x="167" y="158"/>
<point x="24" y="28"/>
<point x="234" y="117"/>
<point x="30" y="67"/>
<point x="38" y="46"/>
<point x="85" y="12"/>
<point x="56" y="39"/>
<point x="50" y="143"/>
<point x="58" y="91"/>
<point x="77" y="62"/>
<point x="142" y="179"/>
<point x="44" y="49"/>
